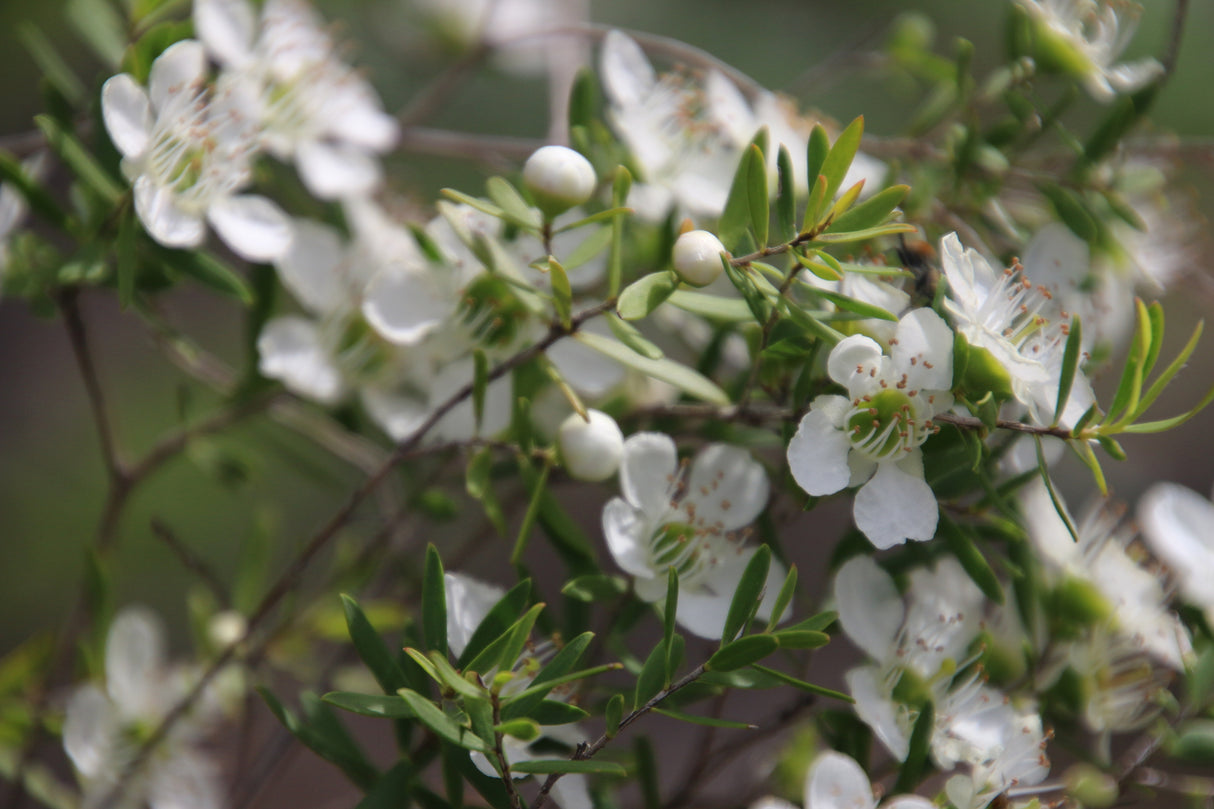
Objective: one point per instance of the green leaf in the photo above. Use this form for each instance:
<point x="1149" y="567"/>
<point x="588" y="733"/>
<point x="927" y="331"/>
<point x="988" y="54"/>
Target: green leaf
<point x="810" y="688"/>
<point x="477" y="482"/>
<point x="712" y="307"/>
<point x="668" y="615"/>
<point x="857" y="306"/>
<point x="746" y="208"/>
<point x="815" y="623"/>
<point x="390" y="706"/>
<point x="972" y="561"/>
<point x="482" y="205"/>
<point x="1161" y="425"/>
<point x="1044" y="469"/>
<point x="324" y="735"/>
<point x="627" y="334"/>
<point x="572" y="677"/>
<point x="1072" y="210"/>
<point x="101" y="27"/>
<point x="786" y="197"/>
<point x="645" y="294"/>
<point x="504" y="652"/>
<point x="801" y="639"/>
<point x="817" y="148"/>
<point x="913" y="768"/>
<point x="538" y="487"/>
<point x="589" y="247"/>
<point x="747" y="595"/>
<point x="480" y="383"/>
<point x="871" y="212"/>
<point x="612" y="714"/>
<point x="787" y="590"/>
<point x="600" y="238"/>
<point x="842" y="152"/>
<point x="544" y="766"/>
<point x="1166" y="376"/>
<point x="52" y="65"/>
<point x="436" y="667"/>
<point x="558" y="667"/>
<point x="371" y="648"/>
<point x="208" y="271"/>
<point x="620" y="186"/>
<point x="747" y="283"/>
<point x="78" y="159"/>
<point x="865" y="234"/>
<point x="443" y="726"/>
<point x="1070" y="364"/>
<point x="742" y="652"/>
<point x="554" y="712"/>
<point x="562" y="293"/>
<point x="584" y="99"/>
<point x="595" y="587"/>
<point x="434" y="603"/>
<point x="652" y="677"/>
<point x="515" y="209"/>
<point x="496" y="621"/>
<point x="680" y="376"/>
<point x="707" y="721"/>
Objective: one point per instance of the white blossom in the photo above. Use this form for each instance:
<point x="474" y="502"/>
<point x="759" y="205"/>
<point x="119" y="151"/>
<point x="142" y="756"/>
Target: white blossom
<point x="188" y="152"/>
<point x="692" y="518"/>
<point x="591" y="447"/>
<point x="1178" y="525"/>
<point x="311" y="107"/>
<point x="872" y="437"/>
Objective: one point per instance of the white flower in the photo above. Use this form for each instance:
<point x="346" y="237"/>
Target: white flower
<point x="591" y="447"/>
<point x="693" y="520"/>
<point x="1178" y="524"/>
<point x="13" y="206"/>
<point x="697" y="257"/>
<point x="1018" y="324"/>
<point x="104" y="728"/>
<point x="187" y="153"/>
<point x="1085" y="38"/>
<point x="311" y="106"/>
<point x="873" y="436"/>
<point x="512" y="28"/>
<point x="836" y="781"/>
<point x="1132" y="594"/>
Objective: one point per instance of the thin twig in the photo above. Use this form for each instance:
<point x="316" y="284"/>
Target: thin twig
<point x="190" y="560"/>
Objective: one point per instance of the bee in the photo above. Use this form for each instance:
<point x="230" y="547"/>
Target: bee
<point x="919" y="258"/>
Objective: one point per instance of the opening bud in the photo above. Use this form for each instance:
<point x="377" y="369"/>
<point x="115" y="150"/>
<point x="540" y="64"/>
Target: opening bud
<point x="697" y="257"/>
<point x="558" y="178"/>
<point x="591" y="450"/>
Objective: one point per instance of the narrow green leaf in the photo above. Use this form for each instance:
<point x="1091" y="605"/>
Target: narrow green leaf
<point x="1155" y="313"/>
<point x="562" y="293"/>
<point x="627" y="334"/>
<point x="809" y="688"/>
<point x="555" y="712"/>
<point x="743" y="207"/>
<point x="393" y="789"/>
<point x="856" y="306"/>
<point x="558" y="667"/>
<point x="1129" y="389"/>
<point x="712" y="307"/>
<point x="1085" y="453"/>
<point x="646" y="773"/>
<point x="371" y="648"/>
<point x="208" y="271"/>
<point x="813" y="209"/>
<point x="786" y="199"/>
<point x="865" y="234"/>
<point x="572" y="677"/>
<point x="79" y="159"/>
<point x="787" y="590"/>
<point x="482" y="205"/>
<point x="812" y="325"/>
<point x="620" y="186"/>
<point x="478" y="484"/>
<point x="913" y="768"/>
<point x="758" y="197"/>
<point x="504" y="652"/>
<point x="747" y="283"/>
<point x="871" y="212"/>
<point x="801" y="639"/>
<point x="339" y="746"/>
<point x="652" y="676"/>
<point x="51" y="63"/>
<point x="529" y="516"/>
<point x="1044" y="469"/>
<point x="842" y="152"/>
<point x="747" y="596"/>
<point x="566" y="536"/>
<point x="480" y="383"/>
<point x="602" y="235"/>
<point x="668" y="616"/>
<point x="434" y="603"/>
<point x="515" y="209"/>
<point x="1070" y="365"/>
<point x="645" y="294"/>
<point x="817" y="148"/>
<point x="742" y="652"/>
<point x="972" y="561"/>
<point x="499" y="618"/>
<point x="101" y="27"/>
<point x="584" y="100"/>
<point x="815" y="623"/>
<point x="444" y="726"/>
<point x="391" y="706"/>
<point x="685" y="379"/>
<point x="1165" y="378"/>
<point x="1072" y="210"/>
<point x="550" y="765"/>
<point x="1161" y="425"/>
<point x="613" y="713"/>
<point x="707" y="721"/>
<point x="480" y="715"/>
<point x="588" y="248"/>
<point x="595" y="587"/>
<point x="14" y="174"/>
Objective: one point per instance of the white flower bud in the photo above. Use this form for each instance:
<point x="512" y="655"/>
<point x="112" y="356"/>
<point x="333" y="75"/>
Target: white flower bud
<point x="591" y="450"/>
<point x="559" y="178"/>
<point x="697" y="257"/>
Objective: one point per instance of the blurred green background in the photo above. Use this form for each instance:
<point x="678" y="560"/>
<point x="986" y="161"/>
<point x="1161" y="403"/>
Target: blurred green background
<point x="51" y="479"/>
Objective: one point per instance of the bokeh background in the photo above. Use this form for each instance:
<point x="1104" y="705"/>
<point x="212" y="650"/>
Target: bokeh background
<point x="259" y="477"/>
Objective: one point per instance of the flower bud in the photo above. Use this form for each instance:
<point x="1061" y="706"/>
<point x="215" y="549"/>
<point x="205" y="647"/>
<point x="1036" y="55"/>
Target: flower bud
<point x="697" y="257"/>
<point x="558" y="178"/>
<point x="591" y="450"/>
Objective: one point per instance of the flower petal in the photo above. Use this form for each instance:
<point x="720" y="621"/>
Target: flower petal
<point x="836" y="781"/>
<point x="164" y="219"/>
<point x="648" y="472"/>
<point x="924" y="350"/>
<point x="627" y="537"/>
<point x="313" y="268"/>
<point x="185" y="780"/>
<point x="397" y="414"/>
<point x="291" y="350"/>
<point x="1178" y="524"/>
<point x="127" y="113"/>
<point x="870" y="608"/>
<point x="875" y="707"/>
<point x="92" y="733"/>
<point x="227" y="28"/>
<point x="627" y="75"/>
<point x="727" y="486"/>
<point x="400" y="306"/>
<point x="853" y="357"/>
<point x="134" y="662"/>
<point x="254" y="227"/>
<point x="468" y="602"/>
<point x="894" y="507"/>
<point x="181" y="68"/>
<point x="336" y="170"/>
<point x="817" y="454"/>
<point x="572" y="792"/>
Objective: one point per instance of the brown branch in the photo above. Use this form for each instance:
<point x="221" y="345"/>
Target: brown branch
<point x="190" y="560"/>
<point x="78" y="338"/>
<point x="1173" y="52"/>
<point x="587" y="751"/>
<point x="290" y="578"/>
<point x="971" y="423"/>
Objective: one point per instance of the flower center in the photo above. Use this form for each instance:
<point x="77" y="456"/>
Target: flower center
<point x="360" y="352"/>
<point x="885" y="424"/>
